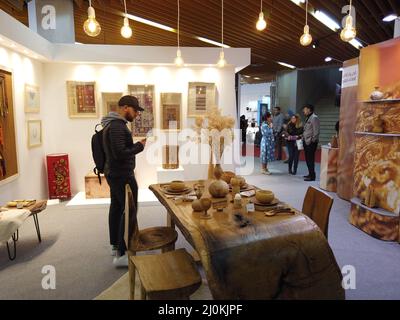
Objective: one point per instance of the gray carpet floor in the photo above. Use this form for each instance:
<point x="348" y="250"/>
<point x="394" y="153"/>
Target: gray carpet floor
<point x="75" y="242"/>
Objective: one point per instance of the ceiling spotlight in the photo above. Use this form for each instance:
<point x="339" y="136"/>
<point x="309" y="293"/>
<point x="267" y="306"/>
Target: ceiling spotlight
<point x="390" y="17"/>
<point x="341" y="69"/>
<point x="315" y="44"/>
<point x="91" y="26"/>
<point x="328" y="59"/>
<point x="261" y="23"/>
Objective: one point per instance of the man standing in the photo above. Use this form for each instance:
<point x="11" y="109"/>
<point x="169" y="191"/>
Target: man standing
<point x="119" y="168"/>
<point x="277" y="123"/>
<point x="310" y="140"/>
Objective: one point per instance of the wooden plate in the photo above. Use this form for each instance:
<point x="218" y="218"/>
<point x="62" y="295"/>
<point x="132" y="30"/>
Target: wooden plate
<point x="246" y="187"/>
<point x="167" y="190"/>
<point x="271" y="204"/>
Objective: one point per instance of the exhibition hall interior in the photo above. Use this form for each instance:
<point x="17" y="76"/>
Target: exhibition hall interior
<point x="202" y="150"/>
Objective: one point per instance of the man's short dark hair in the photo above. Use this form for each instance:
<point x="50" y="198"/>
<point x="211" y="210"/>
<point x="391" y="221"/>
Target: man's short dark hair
<point x="309" y="106"/>
<point x="278" y="108"/>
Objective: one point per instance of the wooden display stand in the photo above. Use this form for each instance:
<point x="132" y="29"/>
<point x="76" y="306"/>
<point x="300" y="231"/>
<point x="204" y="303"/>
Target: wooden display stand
<point x="377" y="164"/>
<point x="328" y="175"/>
<point x="93" y="189"/>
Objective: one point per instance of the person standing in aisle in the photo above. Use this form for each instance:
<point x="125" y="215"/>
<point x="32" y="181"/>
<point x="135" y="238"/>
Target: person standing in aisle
<point x="294" y="130"/>
<point x="120" y="152"/>
<point x="277" y="121"/>
<point x="310" y="140"/>
<point x="267" y="143"/>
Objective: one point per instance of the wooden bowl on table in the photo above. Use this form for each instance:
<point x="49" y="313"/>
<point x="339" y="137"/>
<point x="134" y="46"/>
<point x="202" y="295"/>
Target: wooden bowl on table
<point x="265" y="196"/>
<point x="177" y="185"/>
<point x="227" y="176"/>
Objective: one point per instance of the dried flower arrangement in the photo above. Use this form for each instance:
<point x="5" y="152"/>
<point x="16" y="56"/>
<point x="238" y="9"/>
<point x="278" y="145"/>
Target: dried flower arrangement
<point x="212" y="128"/>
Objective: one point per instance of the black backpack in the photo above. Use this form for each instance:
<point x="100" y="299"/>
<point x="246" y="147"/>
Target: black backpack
<point x="98" y="153"/>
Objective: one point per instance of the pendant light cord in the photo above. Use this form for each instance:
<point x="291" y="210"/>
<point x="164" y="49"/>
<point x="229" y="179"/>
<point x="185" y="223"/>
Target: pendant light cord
<point x="178" y="23"/>
<point x="261" y="6"/>
<point x="350" y="7"/>
<point x="222" y="14"/>
<point x="306" y="12"/>
<point x="125" y="8"/>
<point x="90" y="3"/>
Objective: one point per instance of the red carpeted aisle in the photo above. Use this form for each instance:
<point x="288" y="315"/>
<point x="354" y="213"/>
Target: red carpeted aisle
<point x="255" y="152"/>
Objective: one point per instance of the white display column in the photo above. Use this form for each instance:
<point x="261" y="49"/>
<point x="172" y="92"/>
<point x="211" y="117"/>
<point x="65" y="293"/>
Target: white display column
<point x="168" y="175"/>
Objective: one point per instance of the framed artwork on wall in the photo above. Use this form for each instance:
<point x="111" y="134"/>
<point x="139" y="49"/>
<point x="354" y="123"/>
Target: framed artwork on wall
<point x="171" y="115"/>
<point x="8" y="146"/>
<point x="201" y="97"/>
<point x="82" y="99"/>
<point x="143" y="124"/>
<point x="32" y="98"/>
<point x="110" y="101"/>
<point x="34" y="133"/>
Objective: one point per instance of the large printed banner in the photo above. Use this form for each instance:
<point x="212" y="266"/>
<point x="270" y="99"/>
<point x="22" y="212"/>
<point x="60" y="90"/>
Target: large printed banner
<point x="348" y="119"/>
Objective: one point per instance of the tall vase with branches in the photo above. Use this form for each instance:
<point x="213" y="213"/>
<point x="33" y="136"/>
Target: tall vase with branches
<point x="214" y="123"/>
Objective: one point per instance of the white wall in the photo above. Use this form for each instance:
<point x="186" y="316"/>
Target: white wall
<point x="72" y="136"/>
<point x="32" y="179"/>
<point x="250" y="94"/>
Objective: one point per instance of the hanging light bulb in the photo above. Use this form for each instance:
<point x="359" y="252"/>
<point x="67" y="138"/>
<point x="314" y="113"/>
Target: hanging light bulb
<point x="178" y="60"/>
<point x="261" y="23"/>
<point x="349" y="31"/>
<point x="91" y="26"/>
<point x="126" y="30"/>
<point x="306" y="38"/>
<point x="222" y="62"/>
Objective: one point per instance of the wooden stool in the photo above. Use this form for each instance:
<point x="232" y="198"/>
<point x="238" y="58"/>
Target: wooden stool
<point x="167" y="276"/>
<point x="136" y="240"/>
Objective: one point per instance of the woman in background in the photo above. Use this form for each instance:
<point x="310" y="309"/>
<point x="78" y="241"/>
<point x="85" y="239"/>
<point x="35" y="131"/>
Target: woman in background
<point x="267" y="143"/>
<point x="294" y="130"/>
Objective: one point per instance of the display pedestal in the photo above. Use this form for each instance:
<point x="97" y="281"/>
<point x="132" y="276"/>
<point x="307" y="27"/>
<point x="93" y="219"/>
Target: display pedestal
<point x="167" y="175"/>
<point x="93" y="189"/>
<point x="328" y="176"/>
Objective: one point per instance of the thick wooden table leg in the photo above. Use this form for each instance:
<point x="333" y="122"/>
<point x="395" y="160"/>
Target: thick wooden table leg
<point x="142" y="292"/>
<point x="132" y="275"/>
<point x="171" y="224"/>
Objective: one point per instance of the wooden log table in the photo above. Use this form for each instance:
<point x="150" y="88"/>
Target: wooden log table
<point x="35" y="208"/>
<point x="279" y="257"/>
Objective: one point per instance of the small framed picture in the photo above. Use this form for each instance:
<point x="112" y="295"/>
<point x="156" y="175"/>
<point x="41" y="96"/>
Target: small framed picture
<point x="82" y="99"/>
<point x="171" y="111"/>
<point x="32" y="98"/>
<point x="201" y="97"/>
<point x="34" y="133"/>
<point x="142" y="125"/>
<point x="110" y="101"/>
